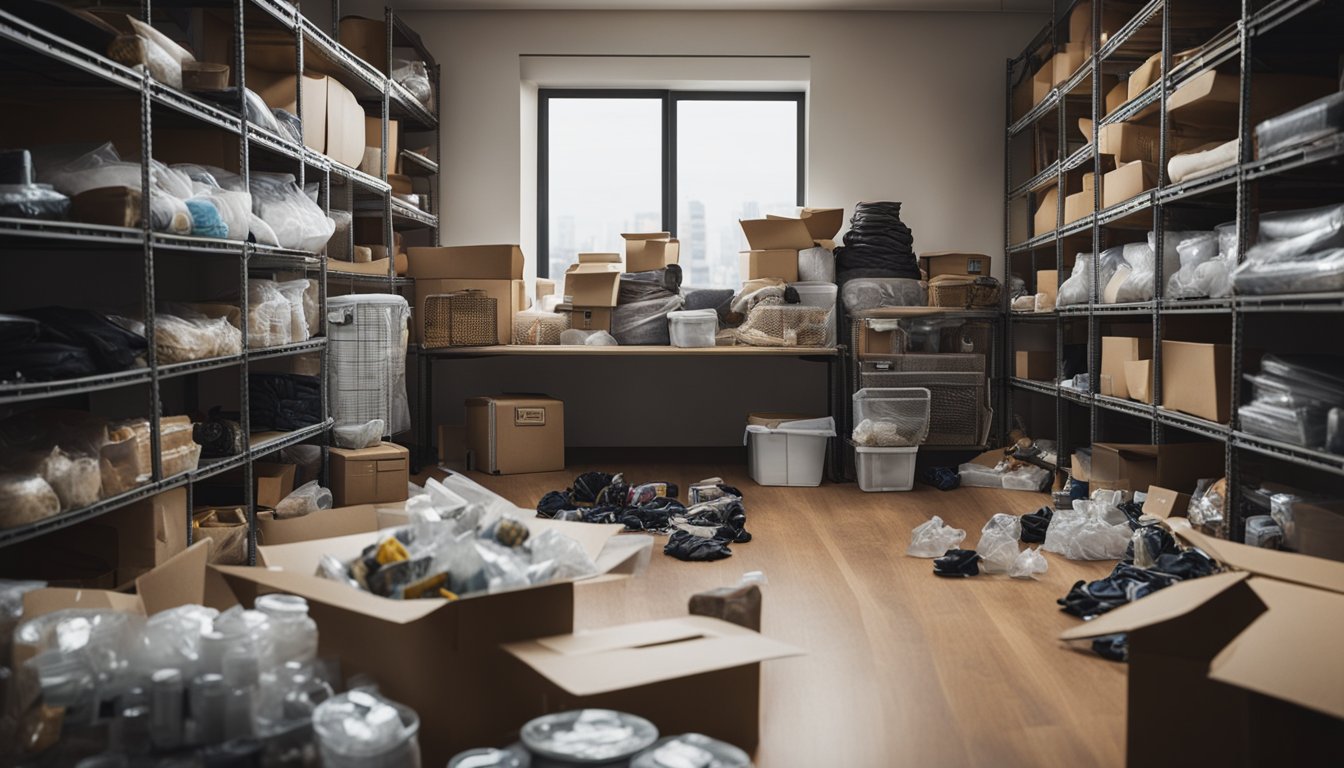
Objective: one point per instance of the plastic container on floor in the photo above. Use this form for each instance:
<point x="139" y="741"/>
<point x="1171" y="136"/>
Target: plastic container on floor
<point x="816" y="294"/>
<point x="885" y="469"/>
<point x="792" y="453"/>
<point x="693" y="327"/>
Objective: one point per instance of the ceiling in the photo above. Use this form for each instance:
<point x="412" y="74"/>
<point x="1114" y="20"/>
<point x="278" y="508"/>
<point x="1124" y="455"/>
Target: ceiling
<point x="1042" y="6"/>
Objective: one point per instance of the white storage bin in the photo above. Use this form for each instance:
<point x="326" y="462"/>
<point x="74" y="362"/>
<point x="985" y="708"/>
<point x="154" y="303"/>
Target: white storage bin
<point x="819" y="295"/>
<point x="885" y="469"/>
<point x="793" y="453"/>
<point x="366" y="359"/>
<point x="693" y="327"/>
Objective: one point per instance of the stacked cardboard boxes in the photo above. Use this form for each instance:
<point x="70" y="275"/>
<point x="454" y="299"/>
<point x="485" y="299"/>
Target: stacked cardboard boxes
<point x="495" y="269"/>
<point x="775" y="241"/>
<point x="591" y="289"/>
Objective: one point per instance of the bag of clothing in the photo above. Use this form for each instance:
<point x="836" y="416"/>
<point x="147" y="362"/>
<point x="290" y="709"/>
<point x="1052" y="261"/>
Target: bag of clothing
<point x="283" y="401"/>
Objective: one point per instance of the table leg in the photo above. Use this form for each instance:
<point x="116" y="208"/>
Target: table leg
<point x="425" y="417"/>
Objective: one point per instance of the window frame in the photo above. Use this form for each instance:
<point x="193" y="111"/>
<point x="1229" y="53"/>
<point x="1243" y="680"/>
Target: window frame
<point x="668" y="188"/>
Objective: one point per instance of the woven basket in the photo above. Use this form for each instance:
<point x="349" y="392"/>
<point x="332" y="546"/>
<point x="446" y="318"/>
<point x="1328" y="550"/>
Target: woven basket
<point x="461" y="319"/>
<point x="963" y="292"/>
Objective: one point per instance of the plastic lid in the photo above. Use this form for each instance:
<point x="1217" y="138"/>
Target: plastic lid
<point x="691" y="749"/>
<point x="489" y="758"/>
<point x="588" y="736"/>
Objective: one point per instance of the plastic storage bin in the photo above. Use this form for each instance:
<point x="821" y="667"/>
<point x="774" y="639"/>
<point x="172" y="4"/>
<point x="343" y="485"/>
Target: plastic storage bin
<point x="820" y="295"/>
<point x="791" y="453"/>
<point x="366" y="359"/>
<point x="891" y="417"/>
<point x="885" y="469"/>
<point x="693" y="327"/>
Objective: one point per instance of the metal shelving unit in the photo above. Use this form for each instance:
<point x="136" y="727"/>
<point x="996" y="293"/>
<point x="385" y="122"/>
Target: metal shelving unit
<point x="1238" y="189"/>
<point x="32" y="53"/>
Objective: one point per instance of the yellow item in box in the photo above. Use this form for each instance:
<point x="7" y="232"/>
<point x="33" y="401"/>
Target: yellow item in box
<point x="391" y="551"/>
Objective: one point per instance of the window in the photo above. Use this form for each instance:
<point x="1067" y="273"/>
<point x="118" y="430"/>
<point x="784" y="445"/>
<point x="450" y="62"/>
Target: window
<point x="690" y="163"/>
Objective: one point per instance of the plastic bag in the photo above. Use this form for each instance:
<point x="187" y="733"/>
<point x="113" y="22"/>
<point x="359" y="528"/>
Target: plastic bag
<point x="362" y="435"/>
<point x="26" y="499"/>
<point x="298" y="222"/>
<point x="76" y="479"/>
<point x="181" y="339"/>
<point x="296" y="293"/>
<point x="1028" y="564"/>
<point x="33" y="201"/>
<point x="1284" y="225"/>
<point x="1208" y="503"/>
<point x="577" y="337"/>
<point x="816" y="264"/>
<point x="998" y="546"/>
<point x="1081" y="534"/>
<point x="288" y="125"/>
<point x="571" y="562"/>
<point x="172" y="640"/>
<point x="1140" y="268"/>
<point x="270" y="315"/>
<point x="867" y="293"/>
<point x="1077" y="289"/>
<point x="932" y="538"/>
<point x="304" y="500"/>
<point x="644" y="322"/>
<point x="258" y="113"/>
<point x="414" y="77"/>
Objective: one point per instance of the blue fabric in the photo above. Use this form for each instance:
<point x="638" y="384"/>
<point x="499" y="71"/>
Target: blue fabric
<point x="205" y="219"/>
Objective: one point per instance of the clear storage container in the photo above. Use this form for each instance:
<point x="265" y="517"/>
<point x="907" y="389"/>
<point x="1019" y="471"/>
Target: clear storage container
<point x="791" y="453"/>
<point x="693" y="327"/>
<point x="891" y="417"/>
<point x="885" y="469"/>
<point x="817" y="294"/>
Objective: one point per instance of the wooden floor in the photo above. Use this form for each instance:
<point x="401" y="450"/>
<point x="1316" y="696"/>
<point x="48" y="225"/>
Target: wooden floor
<point x="903" y="668"/>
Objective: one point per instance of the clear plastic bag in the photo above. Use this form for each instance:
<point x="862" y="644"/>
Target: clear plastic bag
<point x="571" y="562"/>
<point x="1077" y="289"/>
<point x="644" y="322"/>
<point x="1140" y="268"/>
<point x="1081" y="534"/>
<point x="26" y="499"/>
<point x="998" y="545"/>
<point x="868" y="293"/>
<point x="33" y="201"/>
<point x="258" y="113"/>
<point x="181" y="339"/>
<point x="816" y="265"/>
<point x="172" y="639"/>
<point x="1208" y="504"/>
<point x="359" y="435"/>
<point x="295" y="292"/>
<point x="298" y="222"/>
<point x="414" y="77"/>
<point x="1028" y="564"/>
<point x="576" y="337"/>
<point x="270" y="315"/>
<point x="1308" y="273"/>
<point x="304" y="500"/>
<point x="77" y="480"/>
<point x="932" y="538"/>
<point x="288" y="125"/>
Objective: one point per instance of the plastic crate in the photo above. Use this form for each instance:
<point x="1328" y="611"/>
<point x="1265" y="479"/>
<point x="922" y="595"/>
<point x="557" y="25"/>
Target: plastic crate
<point x="893" y="417"/>
<point x="885" y="469"/>
<point x="792" y="454"/>
<point x="959" y="412"/>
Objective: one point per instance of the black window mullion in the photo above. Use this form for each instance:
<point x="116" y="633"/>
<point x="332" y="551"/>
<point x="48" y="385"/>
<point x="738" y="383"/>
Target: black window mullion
<point x="670" y="162"/>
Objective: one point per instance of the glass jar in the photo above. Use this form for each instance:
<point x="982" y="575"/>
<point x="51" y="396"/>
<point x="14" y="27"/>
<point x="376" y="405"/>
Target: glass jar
<point x="293" y="631"/>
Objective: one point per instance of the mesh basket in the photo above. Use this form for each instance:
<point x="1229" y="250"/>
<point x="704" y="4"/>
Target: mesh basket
<point x="891" y="417"/>
<point x="461" y="319"/>
<point x="959" y="412"/>
<point x="539" y="328"/>
<point x="951" y="362"/>
<point x="786" y="325"/>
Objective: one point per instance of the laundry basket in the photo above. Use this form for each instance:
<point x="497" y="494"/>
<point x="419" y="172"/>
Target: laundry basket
<point x="891" y="418"/>
<point x="366" y="359"/>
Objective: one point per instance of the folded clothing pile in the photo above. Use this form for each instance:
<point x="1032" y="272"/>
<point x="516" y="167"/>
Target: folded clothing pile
<point x="283" y="401"/>
<point x="1298" y="252"/>
<point x="878" y="244"/>
<point x="51" y="343"/>
<point x="1297" y="399"/>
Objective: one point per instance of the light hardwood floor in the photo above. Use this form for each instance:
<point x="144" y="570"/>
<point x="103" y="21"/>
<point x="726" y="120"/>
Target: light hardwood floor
<point x="903" y="668"/>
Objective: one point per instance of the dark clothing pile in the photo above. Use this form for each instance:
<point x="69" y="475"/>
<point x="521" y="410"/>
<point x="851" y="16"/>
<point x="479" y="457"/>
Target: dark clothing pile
<point x="283" y="401"/>
<point x="1035" y="524"/>
<point x="53" y="343"/>
<point x="219" y="436"/>
<point x="878" y="244"/>
<point x="957" y="563"/>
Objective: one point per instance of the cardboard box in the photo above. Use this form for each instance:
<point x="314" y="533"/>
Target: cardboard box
<point x="367" y="39"/>
<point x="1078" y="205"/>
<point x="823" y="223"/>
<point x="277" y="90"/>
<point x="1135" y="466"/>
<point x="369" y="475"/>
<point x="1143" y="76"/>
<point x="1066" y="62"/>
<point x="593" y="284"/>
<point x="776" y="233"/>
<point x="1127" y="181"/>
<point x="326" y="523"/>
<point x="1251" y="650"/>
<point x="1047" y="282"/>
<point x="645" y="251"/>
<point x="587" y="318"/>
<point x="516" y="434"/>
<point x="1080" y="25"/>
<point x="271" y="481"/>
<point x="781" y="264"/>
<point x="952" y="263"/>
<point x="1047" y="212"/>
<point x="1212" y="99"/>
<point x="434" y="655"/>
<point x="510" y="297"/>
<point x="545" y="288"/>
<point x="660" y="670"/>
<point x="1139" y="380"/>
<point x="1316" y="529"/>
<point x="345" y="125"/>
<point x="378" y="266"/>
<point x="1115" y="352"/>
<point x="1197" y="379"/>
<point x="373" y="139"/>
<point x="1043" y="82"/>
<point x="874" y="344"/>
<point x="1036" y="365"/>
<point x="467" y="262"/>
<point x="1116" y="98"/>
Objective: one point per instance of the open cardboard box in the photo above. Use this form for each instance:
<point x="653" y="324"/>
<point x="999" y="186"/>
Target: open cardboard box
<point x="467" y="262"/>
<point x="1250" y="653"/>
<point x="775" y="243"/>
<point x="1212" y="99"/>
<point x="823" y="224"/>
<point x="594" y="282"/>
<point x="442" y="658"/>
<point x="1135" y="466"/>
<point x="645" y="251"/>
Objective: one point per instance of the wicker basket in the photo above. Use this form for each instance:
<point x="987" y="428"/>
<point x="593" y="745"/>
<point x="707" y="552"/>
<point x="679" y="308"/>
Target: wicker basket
<point x="963" y="292"/>
<point x="461" y="319"/>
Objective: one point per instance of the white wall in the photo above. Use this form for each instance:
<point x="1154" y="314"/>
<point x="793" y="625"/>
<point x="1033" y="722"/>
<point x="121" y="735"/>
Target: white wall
<point x="902" y="106"/>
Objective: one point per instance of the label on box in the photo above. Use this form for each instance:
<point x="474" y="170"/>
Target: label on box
<point x="529" y="417"/>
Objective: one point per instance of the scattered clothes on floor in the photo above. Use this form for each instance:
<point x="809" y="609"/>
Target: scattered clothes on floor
<point x="933" y="539"/>
<point x="688" y="546"/>
<point x="1035" y="524"/>
<point x="942" y="478"/>
<point x="1112" y="647"/>
<point x="957" y="562"/>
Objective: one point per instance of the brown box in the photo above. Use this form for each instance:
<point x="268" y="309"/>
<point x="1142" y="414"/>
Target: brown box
<point x="593" y="284"/>
<point x="587" y="318"/>
<point x="277" y="90"/>
<point x="326" y="523"/>
<point x="345" y="125"/>
<point x="951" y="263"/>
<point x="1047" y="212"/>
<point x="1078" y="205"/>
<point x="1066" y="62"/>
<point x="1139" y="380"/>
<point x="367" y="39"/>
<point x="1143" y="76"/>
<point x="272" y="481"/>
<point x="1316" y="529"/>
<point x="1035" y="365"/>
<point x="1135" y="466"/>
<point x="1080" y="25"/>
<point x="645" y="251"/>
<point x="510" y="297"/>
<point x="1134" y="141"/>
<point x="545" y="288"/>
<point x="515" y="434"/>
<point x="109" y="206"/>
<point x="369" y="475"/>
<point x="1115" y="352"/>
<point x="467" y="262"/>
<point x="1042" y="82"/>
<point x="781" y="264"/>
<point x="1047" y="281"/>
<point x="777" y="233"/>
<point x="1128" y="180"/>
<point x="1197" y="379"/>
<point x="373" y="139"/>
<point x="876" y="344"/>
<point x="1212" y="99"/>
<point x="823" y="224"/>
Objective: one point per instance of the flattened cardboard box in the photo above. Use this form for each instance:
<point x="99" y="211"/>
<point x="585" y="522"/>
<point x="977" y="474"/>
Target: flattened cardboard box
<point x="660" y="670"/>
<point x="467" y="262"/>
<point x="516" y="434"/>
<point x="434" y="655"/>
<point x="379" y="474"/>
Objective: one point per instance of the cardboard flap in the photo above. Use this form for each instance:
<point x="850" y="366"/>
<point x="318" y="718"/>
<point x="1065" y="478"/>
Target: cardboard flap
<point x="823" y="223"/>
<point x="593" y="538"/>
<point x="379" y="452"/>
<point x="629" y="656"/>
<point x="599" y="258"/>
<point x="341" y="521"/>
<point x="628" y="236"/>
<point x="39" y="602"/>
<point x="596" y="267"/>
<point x="1284" y="566"/>
<point x="1170" y="603"/>
<point x="776" y="234"/>
<point x="1163" y="503"/>
<point x="179" y="581"/>
<point x="1273" y="656"/>
<point x="336" y="594"/>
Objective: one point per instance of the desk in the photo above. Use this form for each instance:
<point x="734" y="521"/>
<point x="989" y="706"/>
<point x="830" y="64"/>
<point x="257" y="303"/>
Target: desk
<point x="424" y="420"/>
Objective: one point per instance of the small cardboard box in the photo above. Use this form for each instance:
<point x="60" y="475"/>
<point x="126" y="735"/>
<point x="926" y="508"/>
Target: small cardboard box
<point x="515" y="434"/>
<point x="345" y="125"/>
<point x="1115" y="352"/>
<point x="952" y="263"/>
<point x="646" y="251"/>
<point x="367" y="39"/>
<point x="823" y="223"/>
<point x="369" y="475"/>
<point x="271" y="482"/>
<point x="779" y="263"/>
<point x="326" y="523"/>
<point x="1135" y="466"/>
<point x="1197" y="379"/>
<point x="1127" y="181"/>
<point x="1139" y="380"/>
<point x="1047" y="282"/>
<point x="467" y="262"/>
<point x="510" y="298"/>
<point x="875" y="344"/>
<point x="1116" y="97"/>
<point x="373" y="139"/>
<point x="1036" y="365"/>
<point x="1078" y="205"/>
<point x="659" y="670"/>
<point x="593" y="284"/>
<point x="587" y="318"/>
<point x="1047" y="212"/>
<point x="1066" y="62"/>
<point x="278" y="91"/>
